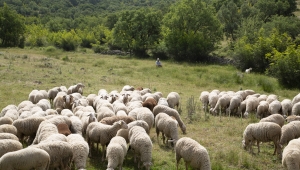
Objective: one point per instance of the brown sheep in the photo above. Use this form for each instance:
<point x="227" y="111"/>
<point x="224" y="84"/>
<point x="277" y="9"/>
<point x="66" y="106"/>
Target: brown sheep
<point x="63" y="128"/>
<point x="150" y="103"/>
<point x="111" y="120"/>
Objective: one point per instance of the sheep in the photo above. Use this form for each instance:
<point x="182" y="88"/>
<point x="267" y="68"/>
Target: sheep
<point x="248" y="70"/>
<point x="12" y="113"/>
<point x="9" y="145"/>
<point x="291" y="155"/>
<point x="248" y="92"/>
<point x="112" y="120"/>
<point x="80" y="150"/>
<point x="52" y="93"/>
<point x="143" y="113"/>
<point x="60" y="153"/>
<point x="6" y="120"/>
<point x="163" y="101"/>
<point x="104" y="112"/>
<point x="116" y="152"/>
<point x="36" y="95"/>
<point x="63" y="128"/>
<point x="234" y="104"/>
<point x="127" y="88"/>
<point x="63" y="102"/>
<point x="66" y="112"/>
<point x="102" y="133"/>
<point x="133" y="105"/>
<point x="86" y="120"/>
<point x="171" y="112"/>
<point x="141" y="123"/>
<point x="286" y="107"/>
<point x="192" y="153"/>
<point x="275" y="118"/>
<point x="222" y="103"/>
<point x="28" y="127"/>
<point x="296" y="99"/>
<point x="8" y="129"/>
<point x="262" y="109"/>
<point x="296" y="109"/>
<point x="204" y="99"/>
<point x="290" y="131"/>
<point x="76" y="88"/>
<point x="102" y="93"/>
<point x="121" y="113"/>
<point x="271" y="98"/>
<point x="274" y="107"/>
<point x="150" y="103"/>
<point x="173" y="99"/>
<point x="45" y="130"/>
<point x="80" y="102"/>
<point x="90" y="98"/>
<point x="262" y="97"/>
<point x="8" y="136"/>
<point x="212" y="99"/>
<point x="292" y="118"/>
<point x="44" y="104"/>
<point x="242" y="108"/>
<point x="251" y="105"/>
<point x="51" y="112"/>
<point x="28" y="158"/>
<point x="8" y="107"/>
<point x="76" y="125"/>
<point x="262" y="132"/>
<point x="167" y="126"/>
<point x="141" y="144"/>
<point x="55" y="137"/>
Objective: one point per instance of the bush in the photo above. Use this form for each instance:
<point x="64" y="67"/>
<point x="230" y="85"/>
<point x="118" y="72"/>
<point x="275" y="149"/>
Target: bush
<point x="50" y="49"/>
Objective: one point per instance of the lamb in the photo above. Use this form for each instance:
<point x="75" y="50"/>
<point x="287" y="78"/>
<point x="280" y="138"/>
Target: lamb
<point x="9" y="145"/>
<point x="291" y="155"/>
<point x="28" y="158"/>
<point x="167" y="126"/>
<point x="116" y="152"/>
<point x="52" y="93"/>
<point x="76" y="88"/>
<point x="80" y="150"/>
<point x="275" y="118"/>
<point x="262" y="132"/>
<point x="104" y="112"/>
<point x="290" y="131"/>
<point x="296" y="109"/>
<point x="28" y="127"/>
<point x="292" y="118"/>
<point x="248" y="70"/>
<point x="262" y="109"/>
<point x="112" y="120"/>
<point x="60" y="153"/>
<point x="173" y="99"/>
<point x="63" y="128"/>
<point x="192" y="153"/>
<point x="275" y="107"/>
<point x="8" y="136"/>
<point x="8" y="129"/>
<point x="143" y="113"/>
<point x="286" y="107"/>
<point x="102" y="133"/>
<point x="141" y="144"/>
<point x="150" y="103"/>
<point x="171" y="112"/>
<point x="6" y="120"/>
<point x="204" y="99"/>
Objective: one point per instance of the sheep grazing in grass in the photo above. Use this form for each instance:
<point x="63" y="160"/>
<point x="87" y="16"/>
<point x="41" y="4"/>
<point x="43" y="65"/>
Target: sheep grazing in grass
<point x="275" y="118"/>
<point x="204" y="99"/>
<point x="290" y="131"/>
<point x="291" y="155"/>
<point x="173" y="99"/>
<point x="78" y="88"/>
<point x="292" y="118"/>
<point x="248" y="70"/>
<point x="9" y="145"/>
<point x="116" y="152"/>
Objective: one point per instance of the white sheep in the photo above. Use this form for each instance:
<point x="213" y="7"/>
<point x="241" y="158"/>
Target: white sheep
<point x="141" y="144"/>
<point x="163" y="101"/>
<point x="296" y="109"/>
<point x="104" y="112"/>
<point x="192" y="153"/>
<point x="262" y="97"/>
<point x="248" y="70"/>
<point x="55" y="137"/>
<point x="80" y="150"/>
<point x="213" y="99"/>
<point x="271" y="98"/>
<point x="86" y="120"/>
<point x="76" y="88"/>
<point x="28" y="158"/>
<point x="36" y="95"/>
<point x="234" y="104"/>
<point x="222" y="103"/>
<point x="76" y="125"/>
<point x="102" y="133"/>
<point x="143" y="113"/>
<point x="66" y="112"/>
<point x="61" y="102"/>
<point x="296" y="99"/>
<point x="167" y="126"/>
<point x="51" y="112"/>
<point x="262" y="132"/>
<point x="6" y="120"/>
<point x="291" y="155"/>
<point x="290" y="131"/>
<point x="6" y="128"/>
<point x="251" y="105"/>
<point x="116" y="152"/>
<point x="52" y="93"/>
<point x="91" y="98"/>
<point x="292" y="118"/>
<point x="12" y="113"/>
<point x="121" y="113"/>
<point x="173" y="99"/>
<point x="133" y="105"/>
<point x="8" y="136"/>
<point x="127" y="88"/>
<point x="204" y="99"/>
<point x="286" y="107"/>
<point x="275" y="118"/>
<point x="44" y="104"/>
<point x="262" y="109"/>
<point x="45" y="130"/>
<point x="9" y="145"/>
<point x="274" y="107"/>
<point x="8" y="107"/>
<point x="141" y="123"/>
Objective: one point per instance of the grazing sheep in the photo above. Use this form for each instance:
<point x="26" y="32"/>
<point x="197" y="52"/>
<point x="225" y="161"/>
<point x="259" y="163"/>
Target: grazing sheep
<point x="290" y="131"/>
<point x="143" y="113"/>
<point x="8" y="129"/>
<point x="44" y="104"/>
<point x="204" y="99"/>
<point x="45" y="130"/>
<point x="8" y="136"/>
<point x="141" y="123"/>
<point x="102" y="133"/>
<point x="248" y="70"/>
<point x="222" y="103"/>
<point x="112" y="120"/>
<point x="213" y="99"/>
<point x="55" y="137"/>
<point x="292" y="118"/>
<point x="63" y="128"/>
<point x="163" y="101"/>
<point x="78" y="88"/>
<point x="91" y="98"/>
<point x="251" y="105"/>
<point x="9" y="107"/>
<point x="51" y="112"/>
<point x="116" y="152"/>
<point x="104" y="112"/>
<point x="36" y="95"/>
<point x="286" y="107"/>
<point x="275" y="107"/>
<point x="67" y="112"/>
<point x="262" y="109"/>
<point x="171" y="112"/>
<point x="262" y="132"/>
<point x="9" y="145"/>
<point x="167" y="126"/>
<point x="192" y="153"/>
<point x="173" y="99"/>
<point x="150" y="103"/>
<point x="141" y="144"/>
<point x="52" y="93"/>
<point x="291" y="155"/>
<point x="6" y="120"/>
<point x="28" y="158"/>
<point x="296" y="109"/>
<point x="262" y="97"/>
<point x="60" y="153"/>
<point x="124" y="133"/>
<point x="271" y="98"/>
<point x="296" y="99"/>
<point x="80" y="150"/>
<point x="275" y="118"/>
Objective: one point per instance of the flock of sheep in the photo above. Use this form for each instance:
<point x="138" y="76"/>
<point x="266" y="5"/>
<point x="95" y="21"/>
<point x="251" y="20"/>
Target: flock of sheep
<point x="272" y="114"/>
<point x="61" y="128"/>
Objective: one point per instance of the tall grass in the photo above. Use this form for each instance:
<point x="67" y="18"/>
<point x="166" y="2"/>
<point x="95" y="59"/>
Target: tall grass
<point x="222" y="137"/>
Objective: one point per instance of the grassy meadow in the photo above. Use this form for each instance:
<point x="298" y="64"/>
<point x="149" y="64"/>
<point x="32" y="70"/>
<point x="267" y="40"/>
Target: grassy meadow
<point x="22" y="70"/>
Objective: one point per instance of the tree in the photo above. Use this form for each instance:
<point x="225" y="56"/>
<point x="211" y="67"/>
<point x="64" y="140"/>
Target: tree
<point x="191" y="30"/>
<point x="12" y="28"/>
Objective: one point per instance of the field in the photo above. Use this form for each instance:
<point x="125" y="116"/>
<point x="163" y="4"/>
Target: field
<point x="22" y="70"/>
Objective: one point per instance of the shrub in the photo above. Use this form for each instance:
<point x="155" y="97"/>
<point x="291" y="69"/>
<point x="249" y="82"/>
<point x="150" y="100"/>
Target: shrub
<point x="50" y="49"/>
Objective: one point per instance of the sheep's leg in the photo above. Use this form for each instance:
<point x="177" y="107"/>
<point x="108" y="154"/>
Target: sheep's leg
<point x="258" y="146"/>
<point x="157" y="134"/>
<point x="164" y="138"/>
<point x="186" y="165"/>
<point x="103" y="152"/>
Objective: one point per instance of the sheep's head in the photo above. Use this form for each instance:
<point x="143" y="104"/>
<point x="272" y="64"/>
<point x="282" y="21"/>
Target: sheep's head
<point x="92" y="118"/>
<point x="147" y="165"/>
<point x="122" y="124"/>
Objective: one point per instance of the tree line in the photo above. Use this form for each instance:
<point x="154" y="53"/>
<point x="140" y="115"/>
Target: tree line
<point x="262" y="34"/>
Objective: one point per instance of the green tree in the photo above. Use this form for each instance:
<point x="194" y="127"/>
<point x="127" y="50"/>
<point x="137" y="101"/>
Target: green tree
<point x="12" y="27"/>
<point x="191" y="30"/>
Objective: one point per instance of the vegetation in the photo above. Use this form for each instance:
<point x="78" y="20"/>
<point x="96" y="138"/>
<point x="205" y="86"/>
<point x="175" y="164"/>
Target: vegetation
<point x="23" y="70"/>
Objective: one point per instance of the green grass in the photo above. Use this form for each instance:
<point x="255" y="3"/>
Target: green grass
<point x="22" y="70"/>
